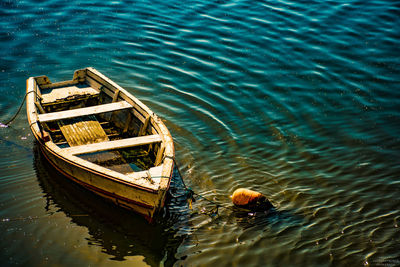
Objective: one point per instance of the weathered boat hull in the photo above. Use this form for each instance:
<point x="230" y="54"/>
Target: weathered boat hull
<point x="133" y="199"/>
<point x="135" y="193"/>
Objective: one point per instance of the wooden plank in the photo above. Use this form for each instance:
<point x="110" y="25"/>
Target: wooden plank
<point x="38" y="92"/>
<point x="58" y="84"/>
<point x="42" y="80"/>
<point x="160" y="154"/>
<point x="78" y="131"/>
<point x="93" y="83"/>
<point x="144" y="126"/>
<point x="84" y="111"/>
<point x="127" y="123"/>
<point x="116" y="144"/>
<point x="115" y="97"/>
<point x="54" y="94"/>
<point x="40" y="108"/>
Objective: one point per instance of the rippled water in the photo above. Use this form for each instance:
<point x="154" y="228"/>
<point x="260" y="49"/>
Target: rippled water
<point x="299" y="100"/>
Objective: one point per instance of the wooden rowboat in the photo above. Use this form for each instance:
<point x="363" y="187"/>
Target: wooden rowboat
<point x="97" y="134"/>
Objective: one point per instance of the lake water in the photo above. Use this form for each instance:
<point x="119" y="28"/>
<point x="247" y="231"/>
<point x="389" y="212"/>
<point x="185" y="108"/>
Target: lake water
<point x="299" y="100"/>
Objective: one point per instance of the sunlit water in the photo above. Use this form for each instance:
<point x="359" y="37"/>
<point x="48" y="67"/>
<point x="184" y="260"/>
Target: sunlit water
<point x="299" y="100"/>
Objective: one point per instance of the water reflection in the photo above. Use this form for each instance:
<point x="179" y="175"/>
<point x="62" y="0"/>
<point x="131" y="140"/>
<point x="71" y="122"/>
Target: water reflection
<point x="118" y="232"/>
<point x="272" y="219"/>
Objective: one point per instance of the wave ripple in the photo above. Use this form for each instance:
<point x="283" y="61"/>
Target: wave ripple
<point x="296" y="99"/>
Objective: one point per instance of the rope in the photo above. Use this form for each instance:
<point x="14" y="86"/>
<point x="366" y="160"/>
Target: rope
<point x="190" y="196"/>
<point x="31" y="218"/>
<point x="19" y="109"/>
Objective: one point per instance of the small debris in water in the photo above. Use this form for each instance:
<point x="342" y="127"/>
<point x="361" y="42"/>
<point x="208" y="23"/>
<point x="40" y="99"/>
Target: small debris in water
<point x="3" y="125"/>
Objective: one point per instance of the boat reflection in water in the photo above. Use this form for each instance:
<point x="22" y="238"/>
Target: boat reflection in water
<point x="118" y="232"/>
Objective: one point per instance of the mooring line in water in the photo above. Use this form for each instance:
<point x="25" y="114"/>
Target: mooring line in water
<point x="38" y="217"/>
<point x="19" y="109"/>
<point x="189" y="193"/>
<point x="242" y="198"/>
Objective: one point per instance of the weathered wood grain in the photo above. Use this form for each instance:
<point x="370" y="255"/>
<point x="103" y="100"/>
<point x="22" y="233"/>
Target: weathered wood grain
<point x="54" y="94"/>
<point x="116" y="144"/>
<point x="80" y="131"/>
<point x="84" y="111"/>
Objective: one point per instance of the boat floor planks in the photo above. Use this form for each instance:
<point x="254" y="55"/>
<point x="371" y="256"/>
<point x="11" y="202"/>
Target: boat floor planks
<point x="82" y="131"/>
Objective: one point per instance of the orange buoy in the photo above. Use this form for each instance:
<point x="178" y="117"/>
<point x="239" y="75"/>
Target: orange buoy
<point x="251" y="200"/>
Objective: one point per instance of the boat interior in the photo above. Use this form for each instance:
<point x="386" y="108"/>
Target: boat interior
<point x="91" y="118"/>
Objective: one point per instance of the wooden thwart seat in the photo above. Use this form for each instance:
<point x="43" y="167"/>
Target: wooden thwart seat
<point x="60" y="115"/>
<point x="116" y="144"/>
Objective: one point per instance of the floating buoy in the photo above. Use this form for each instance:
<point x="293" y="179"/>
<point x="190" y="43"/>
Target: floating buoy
<point x="251" y="200"/>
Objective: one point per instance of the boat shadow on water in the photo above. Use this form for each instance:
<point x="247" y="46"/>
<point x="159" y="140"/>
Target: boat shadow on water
<point x="118" y="232"/>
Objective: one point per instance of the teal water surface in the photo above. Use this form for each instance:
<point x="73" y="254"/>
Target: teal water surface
<point x="299" y="100"/>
